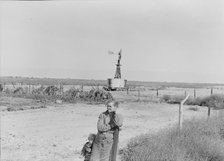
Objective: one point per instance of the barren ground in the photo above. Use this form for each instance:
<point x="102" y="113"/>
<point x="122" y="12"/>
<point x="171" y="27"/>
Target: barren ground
<point x="58" y="132"/>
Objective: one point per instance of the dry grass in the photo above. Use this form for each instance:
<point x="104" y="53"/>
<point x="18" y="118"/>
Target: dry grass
<point x="200" y="140"/>
<point x="16" y="104"/>
<point x="95" y="95"/>
<point x="216" y="101"/>
<point x="18" y="100"/>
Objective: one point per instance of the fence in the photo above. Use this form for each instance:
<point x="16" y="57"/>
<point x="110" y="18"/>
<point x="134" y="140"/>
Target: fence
<point x="131" y="94"/>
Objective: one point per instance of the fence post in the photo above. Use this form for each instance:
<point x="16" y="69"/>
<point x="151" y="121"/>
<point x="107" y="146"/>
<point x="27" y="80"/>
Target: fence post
<point x="209" y="111"/>
<point x="4" y="84"/>
<point x="138" y="95"/>
<point x="13" y="85"/>
<point x="211" y="91"/>
<point x="157" y="92"/>
<point x="195" y="93"/>
<point x="61" y="89"/>
<point x="127" y="91"/>
<point x="29" y="89"/>
<point x="33" y="88"/>
<point x="180" y="112"/>
<point x="82" y="87"/>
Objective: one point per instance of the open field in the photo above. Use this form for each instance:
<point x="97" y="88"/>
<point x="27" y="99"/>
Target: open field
<point x="37" y="130"/>
<point x="59" y="131"/>
<point x="54" y="81"/>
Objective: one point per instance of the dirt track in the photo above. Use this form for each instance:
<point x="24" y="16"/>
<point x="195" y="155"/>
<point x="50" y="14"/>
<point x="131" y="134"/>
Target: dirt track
<point x="58" y="132"/>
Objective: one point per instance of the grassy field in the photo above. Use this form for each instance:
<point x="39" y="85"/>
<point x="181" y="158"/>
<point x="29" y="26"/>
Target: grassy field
<point x="199" y="140"/>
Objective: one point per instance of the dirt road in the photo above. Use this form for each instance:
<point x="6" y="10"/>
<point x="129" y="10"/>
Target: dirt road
<point x="58" y="132"/>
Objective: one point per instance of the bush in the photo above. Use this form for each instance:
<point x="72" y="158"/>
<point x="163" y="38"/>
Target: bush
<point x="94" y="95"/>
<point x="199" y="140"/>
<point x="38" y="91"/>
<point x="51" y="90"/>
<point x="193" y="108"/>
<point x="215" y="101"/>
<point x="52" y="93"/>
<point x="19" y="90"/>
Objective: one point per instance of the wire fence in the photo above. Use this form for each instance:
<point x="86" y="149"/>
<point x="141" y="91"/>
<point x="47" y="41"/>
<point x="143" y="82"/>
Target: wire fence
<point x="129" y="94"/>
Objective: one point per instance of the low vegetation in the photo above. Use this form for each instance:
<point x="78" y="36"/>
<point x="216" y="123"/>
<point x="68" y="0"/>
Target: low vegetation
<point x="95" y="95"/>
<point x="53" y="93"/>
<point x="216" y="101"/>
<point x="199" y="140"/>
<point x="18" y="104"/>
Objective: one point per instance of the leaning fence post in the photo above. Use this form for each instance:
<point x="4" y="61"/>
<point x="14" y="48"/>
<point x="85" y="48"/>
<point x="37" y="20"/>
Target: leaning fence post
<point x="180" y="112"/>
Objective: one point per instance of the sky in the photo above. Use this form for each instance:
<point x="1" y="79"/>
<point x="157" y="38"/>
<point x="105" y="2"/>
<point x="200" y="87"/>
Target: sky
<point x="161" y="40"/>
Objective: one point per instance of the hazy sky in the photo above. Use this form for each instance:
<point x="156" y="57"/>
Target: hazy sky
<point x="161" y="40"/>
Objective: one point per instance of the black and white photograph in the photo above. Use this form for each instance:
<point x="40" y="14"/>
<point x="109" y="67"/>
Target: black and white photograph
<point x="112" y="80"/>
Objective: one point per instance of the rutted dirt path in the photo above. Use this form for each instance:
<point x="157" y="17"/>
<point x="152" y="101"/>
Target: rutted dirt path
<point x="58" y="132"/>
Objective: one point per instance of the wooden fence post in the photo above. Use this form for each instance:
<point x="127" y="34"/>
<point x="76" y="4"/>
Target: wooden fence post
<point x="195" y="93"/>
<point x="61" y="89"/>
<point x="82" y="87"/>
<point x="33" y="88"/>
<point x="157" y="92"/>
<point x="4" y="84"/>
<point x="180" y="112"/>
<point x="29" y="89"/>
<point x="13" y="85"/>
<point x="209" y="111"/>
<point x="138" y="95"/>
<point x="211" y="91"/>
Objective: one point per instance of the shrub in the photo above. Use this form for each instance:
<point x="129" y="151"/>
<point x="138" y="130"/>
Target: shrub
<point x="38" y="91"/>
<point x="213" y="101"/>
<point x="193" y="108"/>
<point x="94" y="95"/>
<point x="216" y="101"/>
<point x="19" y="90"/>
<point x="51" y="90"/>
<point x="166" y="98"/>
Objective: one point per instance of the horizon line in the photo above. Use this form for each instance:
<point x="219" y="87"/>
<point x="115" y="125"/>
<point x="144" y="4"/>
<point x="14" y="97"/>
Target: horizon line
<point x="33" y="77"/>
